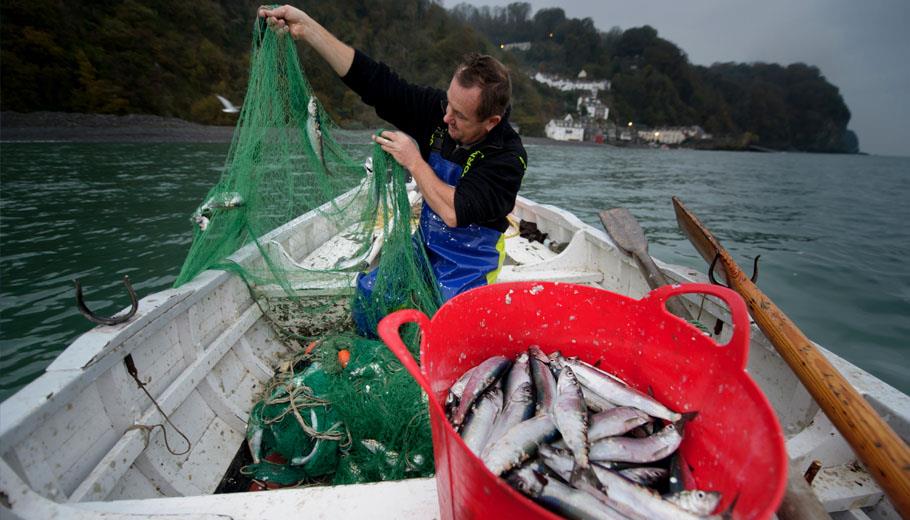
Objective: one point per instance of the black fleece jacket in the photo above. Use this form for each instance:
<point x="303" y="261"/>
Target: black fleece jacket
<point x="487" y="190"/>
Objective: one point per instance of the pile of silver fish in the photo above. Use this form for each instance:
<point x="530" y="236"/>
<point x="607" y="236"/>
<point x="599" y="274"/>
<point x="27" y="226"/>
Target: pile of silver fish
<point x="576" y="439"/>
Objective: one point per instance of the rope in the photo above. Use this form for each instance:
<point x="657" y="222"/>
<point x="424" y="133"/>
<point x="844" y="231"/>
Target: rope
<point x="512" y="224"/>
<point x="131" y="368"/>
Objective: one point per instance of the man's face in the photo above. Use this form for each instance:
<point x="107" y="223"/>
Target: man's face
<point x="461" y="114"/>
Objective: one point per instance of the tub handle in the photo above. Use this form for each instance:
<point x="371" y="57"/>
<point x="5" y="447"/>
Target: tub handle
<point x="388" y="330"/>
<point x="738" y="346"/>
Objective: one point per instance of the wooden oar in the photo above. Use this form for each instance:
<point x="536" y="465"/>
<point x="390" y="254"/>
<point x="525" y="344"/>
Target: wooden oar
<point x="623" y="228"/>
<point x="886" y="455"/>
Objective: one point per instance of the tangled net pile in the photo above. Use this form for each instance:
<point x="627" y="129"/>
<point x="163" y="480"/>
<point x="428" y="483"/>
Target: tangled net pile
<point x="322" y="418"/>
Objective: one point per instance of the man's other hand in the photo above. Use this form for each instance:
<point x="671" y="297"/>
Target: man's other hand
<point x="400" y="146"/>
<point x="285" y="19"/>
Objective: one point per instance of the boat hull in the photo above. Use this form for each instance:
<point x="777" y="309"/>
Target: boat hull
<point x="69" y="441"/>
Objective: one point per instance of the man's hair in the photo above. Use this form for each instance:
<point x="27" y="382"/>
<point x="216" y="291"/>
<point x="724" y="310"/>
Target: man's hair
<point x="492" y="77"/>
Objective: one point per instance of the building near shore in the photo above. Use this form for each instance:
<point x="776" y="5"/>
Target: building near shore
<point x="565" y="129"/>
<point x="673" y="135"/>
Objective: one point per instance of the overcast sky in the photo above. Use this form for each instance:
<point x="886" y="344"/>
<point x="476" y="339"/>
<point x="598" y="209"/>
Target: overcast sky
<point x="862" y="47"/>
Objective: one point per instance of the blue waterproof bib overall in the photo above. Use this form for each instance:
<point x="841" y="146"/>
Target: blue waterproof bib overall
<point x="462" y="257"/>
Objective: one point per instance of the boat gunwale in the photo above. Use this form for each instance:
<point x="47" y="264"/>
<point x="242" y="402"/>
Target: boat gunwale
<point x="94" y="352"/>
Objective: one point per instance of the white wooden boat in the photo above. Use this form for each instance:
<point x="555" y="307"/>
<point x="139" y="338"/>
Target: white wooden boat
<point x="69" y="447"/>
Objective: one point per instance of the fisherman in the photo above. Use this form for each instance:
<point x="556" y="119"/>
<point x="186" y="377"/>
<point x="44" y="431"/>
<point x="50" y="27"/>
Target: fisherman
<point x="466" y="159"/>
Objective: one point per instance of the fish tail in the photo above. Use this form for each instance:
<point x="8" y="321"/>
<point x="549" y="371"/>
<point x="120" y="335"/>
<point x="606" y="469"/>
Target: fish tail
<point x="686" y="418"/>
<point x="582" y="473"/>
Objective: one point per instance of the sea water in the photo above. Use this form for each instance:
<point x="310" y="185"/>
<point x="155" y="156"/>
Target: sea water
<point x="832" y="231"/>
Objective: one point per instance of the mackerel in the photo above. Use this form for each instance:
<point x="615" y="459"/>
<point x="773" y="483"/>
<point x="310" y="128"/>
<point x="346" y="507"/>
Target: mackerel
<point x="479" y="423"/>
<point x="626" y="449"/>
<point x="596" y="402"/>
<point x="557" y="361"/>
<point x="457" y="390"/>
<point x="314" y="131"/>
<point x="560" y="498"/>
<point x="518" y="444"/>
<point x="518" y="394"/>
<point x="484" y="375"/>
<point x="544" y="384"/>
<point x="517" y="407"/>
<point x="557" y="460"/>
<point x="617" y="392"/>
<point x="616" y="421"/>
<point x="695" y="500"/>
<point x="637" y="501"/>
<point x="571" y="416"/>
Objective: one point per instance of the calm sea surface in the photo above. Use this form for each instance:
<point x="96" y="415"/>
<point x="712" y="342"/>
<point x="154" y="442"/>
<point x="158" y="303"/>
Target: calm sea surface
<point x="833" y="232"/>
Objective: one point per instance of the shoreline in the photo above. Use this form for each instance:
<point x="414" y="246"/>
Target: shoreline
<point x="69" y="127"/>
<point x="103" y="128"/>
<point x="65" y="127"/>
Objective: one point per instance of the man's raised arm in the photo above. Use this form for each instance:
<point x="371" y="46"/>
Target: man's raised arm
<point x="339" y="55"/>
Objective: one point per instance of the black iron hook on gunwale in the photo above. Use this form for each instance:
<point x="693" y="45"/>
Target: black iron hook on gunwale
<point x="714" y="263"/>
<point x="719" y="324"/>
<point x="101" y="320"/>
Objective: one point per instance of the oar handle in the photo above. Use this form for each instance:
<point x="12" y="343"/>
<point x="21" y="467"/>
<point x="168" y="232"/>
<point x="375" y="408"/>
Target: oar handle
<point x="657" y="279"/>
<point x="876" y="444"/>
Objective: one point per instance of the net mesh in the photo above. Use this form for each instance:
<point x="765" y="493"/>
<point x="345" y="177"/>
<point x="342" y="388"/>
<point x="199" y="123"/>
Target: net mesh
<point x="341" y="408"/>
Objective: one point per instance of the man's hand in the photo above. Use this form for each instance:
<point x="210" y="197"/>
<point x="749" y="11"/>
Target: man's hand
<point x="439" y="195"/>
<point x="286" y="19"/>
<point x="400" y="146"/>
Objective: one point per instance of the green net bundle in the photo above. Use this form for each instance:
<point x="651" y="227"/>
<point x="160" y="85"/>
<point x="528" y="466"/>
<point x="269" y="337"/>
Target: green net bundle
<point x="319" y="420"/>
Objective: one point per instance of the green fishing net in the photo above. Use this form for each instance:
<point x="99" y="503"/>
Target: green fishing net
<point x="319" y="420"/>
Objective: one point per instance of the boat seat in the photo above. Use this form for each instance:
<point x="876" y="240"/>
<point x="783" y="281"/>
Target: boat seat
<point x="522" y="251"/>
<point x="535" y="261"/>
<point x="509" y="274"/>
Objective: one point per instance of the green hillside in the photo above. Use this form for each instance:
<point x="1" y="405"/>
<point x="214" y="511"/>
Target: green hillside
<point x="653" y="83"/>
<point x="170" y="58"/>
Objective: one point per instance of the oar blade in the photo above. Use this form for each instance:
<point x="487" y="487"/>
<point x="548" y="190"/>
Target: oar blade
<point x="624" y="229"/>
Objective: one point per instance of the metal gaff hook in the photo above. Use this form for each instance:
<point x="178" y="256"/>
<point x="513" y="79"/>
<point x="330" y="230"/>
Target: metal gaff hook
<point x="714" y="263"/>
<point x="101" y="320"/>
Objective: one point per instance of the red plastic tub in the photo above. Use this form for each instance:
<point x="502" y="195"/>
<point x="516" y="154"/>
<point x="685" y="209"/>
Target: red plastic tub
<point x="735" y="444"/>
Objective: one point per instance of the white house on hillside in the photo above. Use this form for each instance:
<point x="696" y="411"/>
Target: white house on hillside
<point x="577" y="84"/>
<point x="565" y="129"/>
<point x="592" y="107"/>
<point x="518" y="46"/>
